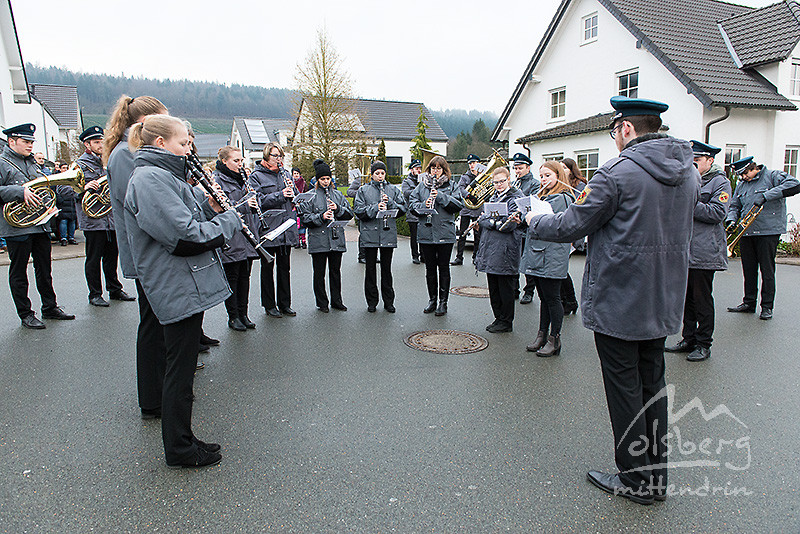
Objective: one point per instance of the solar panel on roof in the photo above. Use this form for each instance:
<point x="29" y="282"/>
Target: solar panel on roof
<point x="255" y="128"/>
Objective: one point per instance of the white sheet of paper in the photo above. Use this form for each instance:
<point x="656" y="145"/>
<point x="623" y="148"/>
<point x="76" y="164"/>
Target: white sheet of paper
<point x="281" y="229"/>
<point x="495" y="208"/>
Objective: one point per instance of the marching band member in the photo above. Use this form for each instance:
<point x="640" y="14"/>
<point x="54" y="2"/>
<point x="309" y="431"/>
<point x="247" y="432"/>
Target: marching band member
<point x="410" y="183"/>
<point x="237" y="257"/>
<point x="499" y="253"/>
<point x="576" y="180"/>
<point x="174" y="231"/>
<point x="707" y="253"/>
<point x="326" y="245"/>
<point x="101" y="240"/>
<point x="529" y="185"/>
<point x="759" y="186"/>
<point x="17" y="167"/>
<point x="150" y="348"/>
<point x="437" y="234"/>
<point x="637" y="211"/>
<point x="548" y="264"/>
<point x="275" y="189"/>
<point x="378" y="234"/>
<point x="468" y="215"/>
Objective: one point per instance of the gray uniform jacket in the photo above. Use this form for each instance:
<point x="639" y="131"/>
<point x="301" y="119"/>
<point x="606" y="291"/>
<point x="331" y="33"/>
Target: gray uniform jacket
<point x="709" y="247"/>
<point x="120" y="168"/>
<point x="773" y="185"/>
<point x="12" y="176"/>
<point x="529" y="184"/>
<point x="547" y="259"/>
<point x="499" y="252"/>
<point x="448" y="203"/>
<point x="238" y="249"/>
<point x="637" y="211"/>
<point x="320" y="237"/>
<point x="269" y="188"/>
<point x="410" y="183"/>
<point x="465" y="180"/>
<point x="365" y="208"/>
<point x="355" y="185"/>
<point x="174" y="236"/>
<point x="92" y="167"/>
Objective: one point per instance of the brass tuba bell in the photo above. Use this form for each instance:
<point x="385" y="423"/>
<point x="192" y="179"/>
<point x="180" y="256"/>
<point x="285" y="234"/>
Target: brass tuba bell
<point x="97" y="204"/>
<point x="20" y="215"/>
<point x="483" y="189"/>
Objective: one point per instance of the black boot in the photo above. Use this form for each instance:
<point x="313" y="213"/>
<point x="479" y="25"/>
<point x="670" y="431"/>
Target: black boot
<point x="430" y="307"/>
<point x="538" y="343"/>
<point x="552" y="348"/>
<point x="441" y="309"/>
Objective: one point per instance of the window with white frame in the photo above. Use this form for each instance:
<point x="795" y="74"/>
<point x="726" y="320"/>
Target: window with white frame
<point x="588" y="162"/>
<point x="558" y="103"/>
<point x="733" y="153"/>
<point x="589" y="28"/>
<point x="628" y="84"/>
<point x="794" y="80"/>
<point x="556" y="156"/>
<point x="790" y="160"/>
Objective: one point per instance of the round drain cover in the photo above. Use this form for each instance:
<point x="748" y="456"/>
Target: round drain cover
<point x="471" y="291"/>
<point x="446" y="342"/>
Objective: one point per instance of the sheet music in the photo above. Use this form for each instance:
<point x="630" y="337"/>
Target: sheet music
<point x="491" y="209"/>
<point x="383" y="214"/>
<point x="288" y="223"/>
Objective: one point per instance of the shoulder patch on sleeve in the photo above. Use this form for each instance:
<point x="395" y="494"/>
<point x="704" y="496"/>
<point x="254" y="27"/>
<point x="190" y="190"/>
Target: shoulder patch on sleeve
<point x="724" y="197"/>
<point x="582" y="197"/>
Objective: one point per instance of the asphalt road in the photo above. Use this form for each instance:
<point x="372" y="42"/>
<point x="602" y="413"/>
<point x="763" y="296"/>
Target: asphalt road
<point x="329" y="423"/>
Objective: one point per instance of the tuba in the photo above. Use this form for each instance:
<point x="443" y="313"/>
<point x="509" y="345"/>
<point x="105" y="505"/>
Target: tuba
<point x="97" y="204"/>
<point x="20" y="215"/>
<point x="481" y="187"/>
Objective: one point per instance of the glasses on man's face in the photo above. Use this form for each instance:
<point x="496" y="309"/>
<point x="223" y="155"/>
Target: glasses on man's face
<point x="276" y="156"/>
<point x="613" y="132"/>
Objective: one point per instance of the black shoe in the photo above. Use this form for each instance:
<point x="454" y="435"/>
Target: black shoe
<point x="98" y="301"/>
<point x="208" y="447"/>
<point x="210" y="341"/>
<point x="236" y="324"/>
<point x="274" y="312"/>
<point x="457" y="261"/>
<point x="743" y="308"/>
<point x="570" y="307"/>
<point x="372" y="309"/>
<point x="58" y="314"/>
<point x="499" y="328"/>
<point x="699" y="354"/>
<point x="527" y="298"/>
<point x="288" y="311"/>
<point x="63" y="242"/>
<point x="682" y="346"/>
<point x="766" y="314"/>
<point x="202" y="458"/>
<point x="362" y="260"/>
<point x="339" y="306"/>
<point x="613" y="485"/>
<point x="415" y="261"/>
<point x="203" y="348"/>
<point x="151" y="414"/>
<point x="247" y="322"/>
<point x="430" y="307"/>
<point x="31" y="321"/>
<point x="323" y="309"/>
<point x="491" y="325"/>
<point x="73" y="242"/>
<point x="389" y="308"/>
<point x="441" y="309"/>
<point x="121" y="295"/>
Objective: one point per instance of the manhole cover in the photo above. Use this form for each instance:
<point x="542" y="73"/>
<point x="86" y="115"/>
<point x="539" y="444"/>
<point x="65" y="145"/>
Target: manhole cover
<point x="471" y="291"/>
<point x="446" y="342"/>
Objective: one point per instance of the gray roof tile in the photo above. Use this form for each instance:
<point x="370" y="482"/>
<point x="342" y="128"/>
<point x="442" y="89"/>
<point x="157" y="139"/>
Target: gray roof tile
<point x="208" y="145"/>
<point x="61" y="101"/>
<point x="270" y="126"/>
<point x="595" y="123"/>
<point x="386" y="119"/>
<point x="764" y="35"/>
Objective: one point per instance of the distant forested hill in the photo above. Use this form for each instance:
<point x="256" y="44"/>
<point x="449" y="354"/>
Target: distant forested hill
<point x="206" y="100"/>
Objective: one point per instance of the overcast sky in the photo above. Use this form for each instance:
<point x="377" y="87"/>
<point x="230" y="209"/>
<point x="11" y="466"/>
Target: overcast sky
<point x="465" y="54"/>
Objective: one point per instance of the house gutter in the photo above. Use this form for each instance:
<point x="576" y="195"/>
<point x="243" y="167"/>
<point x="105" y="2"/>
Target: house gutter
<point x="715" y="121"/>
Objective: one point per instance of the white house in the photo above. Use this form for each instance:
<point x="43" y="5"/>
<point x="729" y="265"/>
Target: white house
<point x="730" y="74"/>
<point x="62" y="101"/>
<point x="393" y="122"/>
<point x="251" y="135"/>
<point x="16" y="104"/>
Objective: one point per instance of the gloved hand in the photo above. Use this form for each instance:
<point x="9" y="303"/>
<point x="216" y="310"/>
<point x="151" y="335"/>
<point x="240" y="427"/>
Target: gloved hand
<point x="730" y="226"/>
<point x="760" y="199"/>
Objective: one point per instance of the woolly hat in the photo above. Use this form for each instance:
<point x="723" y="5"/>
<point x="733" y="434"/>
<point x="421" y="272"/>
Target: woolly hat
<point x="377" y="165"/>
<point x="321" y="169"/>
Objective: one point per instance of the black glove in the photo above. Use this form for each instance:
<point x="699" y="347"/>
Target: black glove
<point x="730" y="226"/>
<point x="760" y="199"/>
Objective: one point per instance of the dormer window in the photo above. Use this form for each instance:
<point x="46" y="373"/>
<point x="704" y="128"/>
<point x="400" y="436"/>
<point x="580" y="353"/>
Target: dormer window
<point x="589" y="28"/>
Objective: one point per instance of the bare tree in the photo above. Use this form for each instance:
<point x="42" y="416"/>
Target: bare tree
<point x="327" y="124"/>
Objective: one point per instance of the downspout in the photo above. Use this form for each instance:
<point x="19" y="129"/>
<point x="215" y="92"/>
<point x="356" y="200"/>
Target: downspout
<point x="715" y="121"/>
<point x="528" y="150"/>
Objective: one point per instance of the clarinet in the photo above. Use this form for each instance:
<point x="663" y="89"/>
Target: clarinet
<point x="199" y="174"/>
<point x="262" y="223"/>
<point x="429" y="220"/>
<point x="328" y="201"/>
<point x="383" y="194"/>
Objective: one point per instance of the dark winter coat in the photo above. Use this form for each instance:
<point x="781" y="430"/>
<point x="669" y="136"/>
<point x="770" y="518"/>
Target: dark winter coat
<point x="499" y="251"/>
<point x="547" y="259"/>
<point x="529" y="184"/>
<point x="65" y="202"/>
<point x="92" y="167"/>
<point x="410" y="183"/>
<point x="238" y="248"/>
<point x="320" y="237"/>
<point x="708" y="249"/>
<point x="269" y="186"/>
<point x="773" y="185"/>
<point x="365" y="208"/>
<point x="448" y="203"/>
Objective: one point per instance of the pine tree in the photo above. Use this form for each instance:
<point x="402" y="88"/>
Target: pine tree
<point x="382" y="152"/>
<point x="421" y="140"/>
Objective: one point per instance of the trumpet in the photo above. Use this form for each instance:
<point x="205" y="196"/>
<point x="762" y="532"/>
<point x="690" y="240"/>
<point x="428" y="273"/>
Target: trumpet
<point x="742" y="226"/>
<point x="199" y="174"/>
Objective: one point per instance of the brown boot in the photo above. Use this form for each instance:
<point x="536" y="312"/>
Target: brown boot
<point x="538" y="343"/>
<point x="552" y="348"/>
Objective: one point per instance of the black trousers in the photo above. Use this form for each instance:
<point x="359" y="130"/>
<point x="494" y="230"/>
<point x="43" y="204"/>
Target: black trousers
<point x="758" y="253"/>
<point x="551" y="311"/>
<point x="412" y="229"/>
<point x="182" y="339"/>
<point x="238" y="275"/>
<point x="466" y="220"/>
<point x="633" y="375"/>
<point x="334" y="262"/>
<point x="20" y="251"/>
<point x="151" y="353"/>
<point x="101" y="249"/>
<point x="568" y="291"/>
<point x="502" y="288"/>
<point x="282" y="265"/>
<point x="437" y="269"/>
<point x="371" y="275"/>
<point x="698" y="312"/>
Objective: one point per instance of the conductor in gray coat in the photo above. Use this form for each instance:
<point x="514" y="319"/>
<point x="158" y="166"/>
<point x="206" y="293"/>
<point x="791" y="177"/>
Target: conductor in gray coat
<point x="378" y="234"/>
<point x="174" y="233"/>
<point x="637" y="211"/>
<point x="707" y="253"/>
